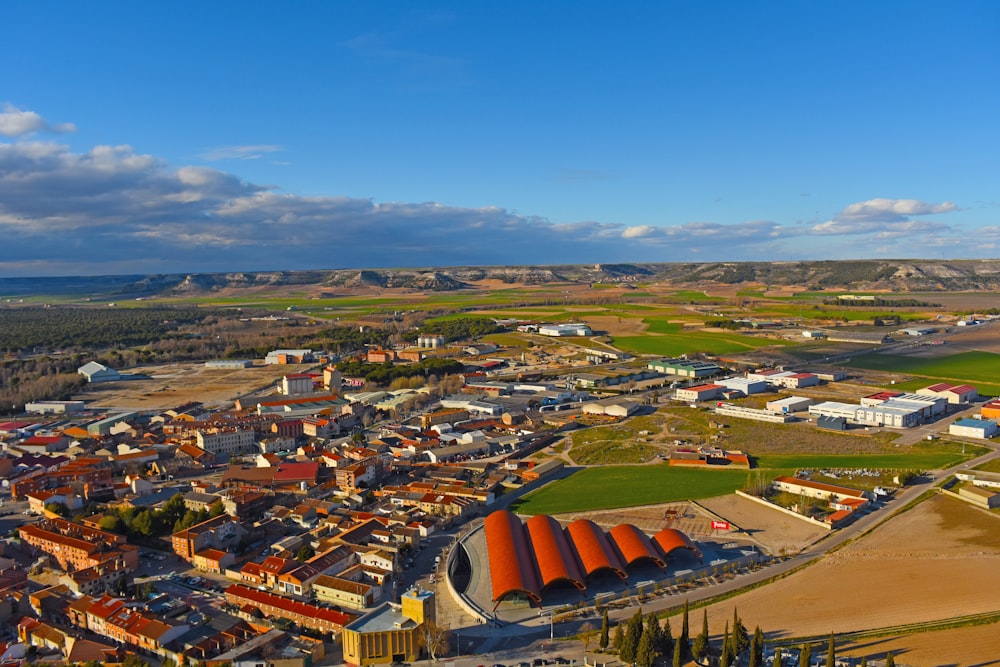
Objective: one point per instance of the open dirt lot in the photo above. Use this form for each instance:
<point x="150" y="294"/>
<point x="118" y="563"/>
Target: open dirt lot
<point x="774" y="531"/>
<point x="939" y="560"/>
<point x="985" y="337"/>
<point x="171" y="385"/>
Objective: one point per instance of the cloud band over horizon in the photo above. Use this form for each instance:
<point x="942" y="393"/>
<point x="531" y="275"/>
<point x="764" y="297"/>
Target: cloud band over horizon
<point x="113" y="210"/>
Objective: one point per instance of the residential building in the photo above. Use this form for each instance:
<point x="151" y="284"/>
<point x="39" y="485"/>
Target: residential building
<point x="227" y="441"/>
<point x="304" y="614"/>
<point x="221" y="532"/>
<point x="78" y="547"/>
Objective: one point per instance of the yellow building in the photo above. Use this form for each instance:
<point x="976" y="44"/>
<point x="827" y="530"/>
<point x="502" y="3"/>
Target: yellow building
<point x="390" y="633"/>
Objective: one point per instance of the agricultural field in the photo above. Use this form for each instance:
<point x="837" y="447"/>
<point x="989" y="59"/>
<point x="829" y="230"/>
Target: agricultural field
<point x="974" y="367"/>
<point x="930" y="563"/>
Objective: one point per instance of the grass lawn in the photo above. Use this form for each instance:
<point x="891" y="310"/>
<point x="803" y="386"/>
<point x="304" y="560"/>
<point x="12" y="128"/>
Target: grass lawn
<point x="627" y="486"/>
<point x="990" y="466"/>
<point x="905" y="461"/>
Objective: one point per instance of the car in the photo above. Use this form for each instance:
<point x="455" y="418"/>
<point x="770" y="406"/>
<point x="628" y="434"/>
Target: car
<point x="538" y="662"/>
<point x="559" y="660"/>
<point x="499" y="664"/>
<point x="524" y="664"/>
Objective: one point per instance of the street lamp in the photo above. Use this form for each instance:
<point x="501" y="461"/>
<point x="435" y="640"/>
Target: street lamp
<point x="550" y="614"/>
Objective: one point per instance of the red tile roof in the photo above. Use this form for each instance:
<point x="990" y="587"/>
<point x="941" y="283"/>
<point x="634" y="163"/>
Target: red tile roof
<point x="297" y="472"/>
<point x="254" y="596"/>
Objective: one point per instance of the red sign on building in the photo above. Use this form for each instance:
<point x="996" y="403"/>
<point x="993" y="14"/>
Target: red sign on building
<point x="720" y="525"/>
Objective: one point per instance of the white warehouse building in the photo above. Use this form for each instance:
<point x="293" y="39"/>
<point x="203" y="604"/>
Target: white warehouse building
<point x="575" y="329"/>
<point x="746" y="385"/>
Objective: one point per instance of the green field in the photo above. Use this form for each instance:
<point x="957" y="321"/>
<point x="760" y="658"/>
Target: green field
<point x="627" y="486"/>
<point x="907" y="461"/>
<point x="673" y="345"/>
<point x="981" y="369"/>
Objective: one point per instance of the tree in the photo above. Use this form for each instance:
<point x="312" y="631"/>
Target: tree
<point x="741" y="638"/>
<point x="685" y="638"/>
<point x="678" y="654"/>
<point x="700" y="646"/>
<point x="831" y="651"/>
<point x="110" y="523"/>
<point x="805" y="656"/>
<point x="603" y="642"/>
<point x="645" y="653"/>
<point x="890" y="661"/>
<point x="654" y="630"/>
<point x="142" y="524"/>
<point x="727" y="649"/>
<point x="864" y="661"/>
<point x="666" y="639"/>
<point x="305" y="553"/>
<point x="619" y="638"/>
<point x="433" y="638"/>
<point x="777" y="658"/>
<point x="757" y="648"/>
<point x="629" y="648"/>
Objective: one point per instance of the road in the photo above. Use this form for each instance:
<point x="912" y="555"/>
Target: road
<point x="514" y="643"/>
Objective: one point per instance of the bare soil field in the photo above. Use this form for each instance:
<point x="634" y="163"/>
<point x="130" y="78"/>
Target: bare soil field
<point x="774" y="531"/>
<point x="617" y="326"/>
<point x="171" y="385"/>
<point x="985" y="338"/>
<point x="939" y="560"/>
<point x="977" y="646"/>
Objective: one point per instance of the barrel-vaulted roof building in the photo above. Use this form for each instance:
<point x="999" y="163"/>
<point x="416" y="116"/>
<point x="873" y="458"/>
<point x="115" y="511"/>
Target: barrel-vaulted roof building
<point x="669" y="539"/>
<point x="595" y="551"/>
<point x="556" y="559"/>
<point x="634" y="545"/>
<point x="512" y="565"/>
<point x="527" y="558"/>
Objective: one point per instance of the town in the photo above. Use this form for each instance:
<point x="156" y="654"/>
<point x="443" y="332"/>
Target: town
<point x="322" y="519"/>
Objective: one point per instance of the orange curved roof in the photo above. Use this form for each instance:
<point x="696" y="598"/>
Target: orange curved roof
<point x="512" y="569"/>
<point x="669" y="539"/>
<point x="555" y="559"/>
<point x="634" y="544"/>
<point x="593" y="548"/>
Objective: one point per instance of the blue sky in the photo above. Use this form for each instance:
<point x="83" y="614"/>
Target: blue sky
<point x="228" y="136"/>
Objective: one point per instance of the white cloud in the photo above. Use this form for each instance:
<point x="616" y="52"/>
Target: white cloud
<point x="880" y="215"/>
<point x="248" y="152"/>
<point x="639" y="231"/>
<point x="892" y="210"/>
<point x="110" y="207"/>
<point x="16" y="122"/>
